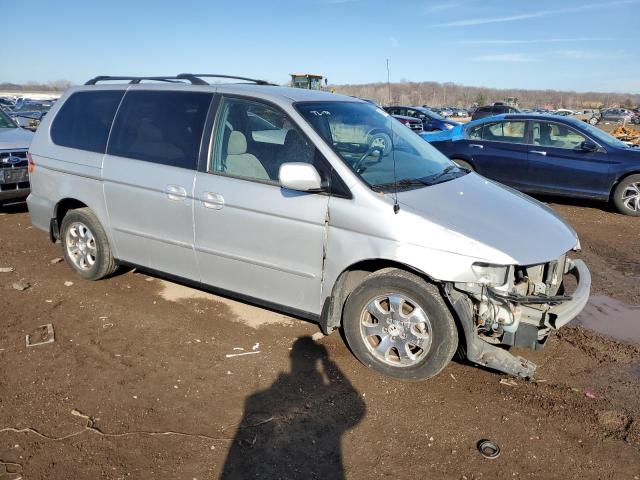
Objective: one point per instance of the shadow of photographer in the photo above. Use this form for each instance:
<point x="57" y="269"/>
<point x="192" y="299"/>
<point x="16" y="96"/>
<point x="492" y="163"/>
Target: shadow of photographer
<point x="293" y="429"/>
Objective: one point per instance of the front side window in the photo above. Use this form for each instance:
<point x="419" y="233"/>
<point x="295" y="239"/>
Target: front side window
<point x="162" y="127"/>
<point x="555" y="135"/>
<point x="474" y="132"/>
<point x="252" y="140"/>
<point x="84" y="120"/>
<point x="377" y="147"/>
<point x="511" y="132"/>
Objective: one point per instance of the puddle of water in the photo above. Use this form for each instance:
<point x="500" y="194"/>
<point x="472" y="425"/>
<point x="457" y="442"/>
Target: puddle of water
<point x="611" y="317"/>
<point x="248" y="314"/>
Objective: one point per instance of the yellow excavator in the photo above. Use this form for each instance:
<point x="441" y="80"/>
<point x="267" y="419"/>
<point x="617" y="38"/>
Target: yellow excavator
<point x="308" y="81"/>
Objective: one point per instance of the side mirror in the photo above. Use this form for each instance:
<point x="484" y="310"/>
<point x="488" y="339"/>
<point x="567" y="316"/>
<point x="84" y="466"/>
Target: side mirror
<point x="589" y="146"/>
<point x="302" y="177"/>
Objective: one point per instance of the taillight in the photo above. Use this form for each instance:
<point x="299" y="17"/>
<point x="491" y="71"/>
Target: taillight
<point x="32" y="164"/>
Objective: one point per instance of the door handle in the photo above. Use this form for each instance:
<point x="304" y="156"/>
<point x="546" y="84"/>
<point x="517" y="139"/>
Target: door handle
<point x="175" y="192"/>
<point x="539" y="152"/>
<point x="476" y="145"/>
<point x="212" y="200"/>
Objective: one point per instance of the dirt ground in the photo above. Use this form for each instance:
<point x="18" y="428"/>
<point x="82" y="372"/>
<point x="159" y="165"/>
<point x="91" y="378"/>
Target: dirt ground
<point x="138" y="384"/>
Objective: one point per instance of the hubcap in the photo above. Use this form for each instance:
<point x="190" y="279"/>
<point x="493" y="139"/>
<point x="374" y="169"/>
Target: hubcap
<point x="631" y="197"/>
<point x="396" y="330"/>
<point x="81" y="246"/>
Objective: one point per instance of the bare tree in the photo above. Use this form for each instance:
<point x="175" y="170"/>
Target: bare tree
<point x="451" y="94"/>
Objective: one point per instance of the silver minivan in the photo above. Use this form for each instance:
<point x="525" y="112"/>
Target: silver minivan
<point x="316" y="204"/>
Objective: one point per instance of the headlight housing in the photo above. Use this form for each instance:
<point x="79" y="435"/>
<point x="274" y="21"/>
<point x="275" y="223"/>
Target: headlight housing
<point x="490" y="274"/>
<point x="448" y="126"/>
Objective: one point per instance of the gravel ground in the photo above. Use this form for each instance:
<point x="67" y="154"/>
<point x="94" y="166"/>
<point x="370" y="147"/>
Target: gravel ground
<point x="138" y="384"/>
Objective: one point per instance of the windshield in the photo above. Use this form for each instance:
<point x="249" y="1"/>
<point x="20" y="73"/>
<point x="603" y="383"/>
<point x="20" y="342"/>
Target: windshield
<point x="370" y="141"/>
<point x="5" y="121"/>
<point x="600" y="135"/>
<point x="432" y="114"/>
<point x="33" y="107"/>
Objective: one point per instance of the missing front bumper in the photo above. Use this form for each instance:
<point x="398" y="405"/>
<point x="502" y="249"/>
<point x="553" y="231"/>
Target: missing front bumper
<point x="528" y="334"/>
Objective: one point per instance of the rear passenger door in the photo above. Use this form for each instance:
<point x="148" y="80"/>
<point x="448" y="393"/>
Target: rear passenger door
<point x="251" y="236"/>
<point x="502" y="152"/>
<point x="149" y="172"/>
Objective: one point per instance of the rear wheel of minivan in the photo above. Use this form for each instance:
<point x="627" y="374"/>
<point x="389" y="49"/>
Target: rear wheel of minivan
<point x="399" y="325"/>
<point x="85" y="245"/>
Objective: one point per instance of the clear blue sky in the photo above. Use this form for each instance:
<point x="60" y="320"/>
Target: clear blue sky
<point x="561" y="44"/>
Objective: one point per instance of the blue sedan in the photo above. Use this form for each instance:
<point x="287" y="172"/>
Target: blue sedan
<point x="547" y="154"/>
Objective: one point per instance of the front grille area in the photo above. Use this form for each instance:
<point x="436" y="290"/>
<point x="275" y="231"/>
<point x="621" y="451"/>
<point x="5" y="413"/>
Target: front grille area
<point x="6" y="154"/>
<point x="7" y="166"/>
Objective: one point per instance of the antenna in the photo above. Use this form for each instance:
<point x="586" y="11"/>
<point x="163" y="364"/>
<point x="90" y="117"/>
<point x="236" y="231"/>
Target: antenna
<point x="396" y="205"/>
<point x="388" y="84"/>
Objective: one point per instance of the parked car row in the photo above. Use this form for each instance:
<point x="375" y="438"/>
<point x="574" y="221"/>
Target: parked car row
<point x="431" y="121"/>
<point x="593" y="115"/>
<point x="547" y="154"/>
<point x="26" y="112"/>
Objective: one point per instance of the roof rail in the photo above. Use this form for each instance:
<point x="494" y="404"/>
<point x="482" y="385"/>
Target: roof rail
<point x="188" y="76"/>
<point x="136" y="80"/>
<point x="194" y="78"/>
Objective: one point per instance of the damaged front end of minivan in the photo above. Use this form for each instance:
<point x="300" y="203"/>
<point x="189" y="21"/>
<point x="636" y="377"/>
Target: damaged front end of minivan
<point x="517" y="306"/>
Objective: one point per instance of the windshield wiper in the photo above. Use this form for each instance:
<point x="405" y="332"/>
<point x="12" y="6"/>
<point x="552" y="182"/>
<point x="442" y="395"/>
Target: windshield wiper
<point x="406" y="182"/>
<point x="449" y="169"/>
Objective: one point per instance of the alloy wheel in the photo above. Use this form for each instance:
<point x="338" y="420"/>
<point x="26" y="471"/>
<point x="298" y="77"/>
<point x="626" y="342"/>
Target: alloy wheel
<point x="396" y="330"/>
<point x="81" y="246"/>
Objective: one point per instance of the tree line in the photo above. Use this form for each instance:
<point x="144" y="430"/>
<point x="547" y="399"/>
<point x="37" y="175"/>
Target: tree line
<point x="54" y="86"/>
<point x="433" y="94"/>
<point x="436" y="94"/>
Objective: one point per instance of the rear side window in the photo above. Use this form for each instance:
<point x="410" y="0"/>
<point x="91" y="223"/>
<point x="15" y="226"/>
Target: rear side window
<point x="512" y="132"/>
<point x="160" y="127"/>
<point x="84" y="120"/>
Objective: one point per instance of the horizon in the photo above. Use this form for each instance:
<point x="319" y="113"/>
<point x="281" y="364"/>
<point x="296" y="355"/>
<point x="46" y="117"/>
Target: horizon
<point x="494" y="44"/>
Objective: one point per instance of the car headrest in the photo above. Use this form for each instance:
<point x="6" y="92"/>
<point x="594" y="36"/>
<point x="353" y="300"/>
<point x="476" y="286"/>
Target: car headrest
<point x="237" y="144"/>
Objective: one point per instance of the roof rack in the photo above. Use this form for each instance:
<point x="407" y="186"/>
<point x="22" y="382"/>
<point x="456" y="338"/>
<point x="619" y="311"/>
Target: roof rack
<point x="194" y="78"/>
<point x="188" y="76"/>
<point x="136" y="80"/>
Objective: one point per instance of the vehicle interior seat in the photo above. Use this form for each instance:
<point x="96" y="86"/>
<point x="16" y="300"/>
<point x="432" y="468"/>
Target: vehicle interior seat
<point x="543" y="138"/>
<point x="239" y="162"/>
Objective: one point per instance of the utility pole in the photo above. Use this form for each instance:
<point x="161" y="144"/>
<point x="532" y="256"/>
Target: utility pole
<point x="388" y="82"/>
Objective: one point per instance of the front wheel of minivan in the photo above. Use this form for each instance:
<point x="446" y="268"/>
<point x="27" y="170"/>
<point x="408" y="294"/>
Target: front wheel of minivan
<point x="85" y="245"/>
<point x="399" y="325"/>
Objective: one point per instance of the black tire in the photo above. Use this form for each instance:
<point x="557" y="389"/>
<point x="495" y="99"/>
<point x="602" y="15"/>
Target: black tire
<point x="443" y="331"/>
<point x="463" y="164"/>
<point x="104" y="264"/>
<point x="621" y="192"/>
<point x="593" y="121"/>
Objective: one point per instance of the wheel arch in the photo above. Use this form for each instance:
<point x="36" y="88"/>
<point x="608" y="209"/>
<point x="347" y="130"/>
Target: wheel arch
<point x="60" y="210"/>
<point x="619" y="179"/>
<point x="349" y="278"/>
<point x="464" y="158"/>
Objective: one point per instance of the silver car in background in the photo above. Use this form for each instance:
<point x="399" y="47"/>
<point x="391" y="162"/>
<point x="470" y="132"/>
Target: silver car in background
<point x="315" y="204"/>
<point x="14" y="143"/>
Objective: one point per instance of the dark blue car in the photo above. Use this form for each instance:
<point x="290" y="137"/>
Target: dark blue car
<point x="547" y="154"/>
<point x="431" y="121"/>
